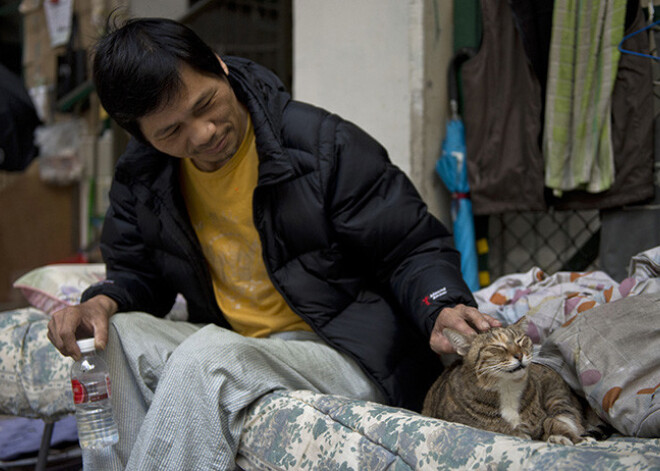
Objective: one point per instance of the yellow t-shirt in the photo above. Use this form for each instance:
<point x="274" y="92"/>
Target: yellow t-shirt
<point x="220" y="207"/>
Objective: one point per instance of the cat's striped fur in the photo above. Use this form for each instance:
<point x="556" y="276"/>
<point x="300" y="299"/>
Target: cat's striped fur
<point x="496" y="387"/>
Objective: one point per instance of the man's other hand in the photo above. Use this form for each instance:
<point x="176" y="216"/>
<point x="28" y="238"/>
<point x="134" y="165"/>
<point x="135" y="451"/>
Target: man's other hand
<point x="465" y="319"/>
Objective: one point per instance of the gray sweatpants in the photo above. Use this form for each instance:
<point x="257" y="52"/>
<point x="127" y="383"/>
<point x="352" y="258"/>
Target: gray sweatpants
<point x="180" y="391"/>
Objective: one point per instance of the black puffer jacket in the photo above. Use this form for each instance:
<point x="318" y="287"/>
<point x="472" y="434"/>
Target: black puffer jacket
<point x="346" y="238"/>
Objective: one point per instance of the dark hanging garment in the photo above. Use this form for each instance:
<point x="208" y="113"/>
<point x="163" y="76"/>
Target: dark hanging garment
<point x="502" y="115"/>
<point x="18" y="120"/>
<point x="632" y="130"/>
<point x="533" y="18"/>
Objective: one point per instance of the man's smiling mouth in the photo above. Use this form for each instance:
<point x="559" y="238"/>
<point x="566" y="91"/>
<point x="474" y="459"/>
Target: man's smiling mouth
<point x="215" y="148"/>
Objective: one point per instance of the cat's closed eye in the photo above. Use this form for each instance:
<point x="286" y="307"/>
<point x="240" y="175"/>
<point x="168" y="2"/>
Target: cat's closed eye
<point x="494" y="349"/>
<point x="524" y="341"/>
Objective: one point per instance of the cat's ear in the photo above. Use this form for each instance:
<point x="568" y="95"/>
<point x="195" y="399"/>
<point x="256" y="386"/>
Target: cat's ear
<point x="522" y="324"/>
<point x="459" y="341"/>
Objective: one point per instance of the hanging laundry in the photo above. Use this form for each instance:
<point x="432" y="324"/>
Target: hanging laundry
<point x="632" y="127"/>
<point x="577" y="140"/>
<point x="502" y="116"/>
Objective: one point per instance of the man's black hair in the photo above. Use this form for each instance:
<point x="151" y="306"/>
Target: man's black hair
<point x="136" y="67"/>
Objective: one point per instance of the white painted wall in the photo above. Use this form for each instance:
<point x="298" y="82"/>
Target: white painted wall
<point x="351" y="57"/>
<point x="381" y="64"/>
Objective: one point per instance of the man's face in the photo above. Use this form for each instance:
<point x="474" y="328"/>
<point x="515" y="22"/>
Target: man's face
<point x="205" y="122"/>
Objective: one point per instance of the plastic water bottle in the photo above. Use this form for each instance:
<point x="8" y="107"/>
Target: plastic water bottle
<point x="91" y="395"/>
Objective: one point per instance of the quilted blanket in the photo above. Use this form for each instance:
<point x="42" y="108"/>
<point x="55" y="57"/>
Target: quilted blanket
<point x="301" y="430"/>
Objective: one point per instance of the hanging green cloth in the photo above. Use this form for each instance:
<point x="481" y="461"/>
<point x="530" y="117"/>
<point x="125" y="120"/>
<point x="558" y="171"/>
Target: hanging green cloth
<point x="577" y="145"/>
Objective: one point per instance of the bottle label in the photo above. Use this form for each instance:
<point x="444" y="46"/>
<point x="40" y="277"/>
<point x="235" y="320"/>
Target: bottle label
<point x="79" y="392"/>
<point x="94" y="392"/>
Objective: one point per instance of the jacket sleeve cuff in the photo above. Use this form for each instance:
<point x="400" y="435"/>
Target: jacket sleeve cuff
<point x="109" y="289"/>
<point x="433" y="316"/>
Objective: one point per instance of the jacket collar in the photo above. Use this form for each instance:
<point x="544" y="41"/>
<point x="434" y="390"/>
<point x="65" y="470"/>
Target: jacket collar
<point x="266" y="99"/>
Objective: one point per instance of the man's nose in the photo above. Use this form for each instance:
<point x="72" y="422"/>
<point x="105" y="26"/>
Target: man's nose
<point x="201" y="133"/>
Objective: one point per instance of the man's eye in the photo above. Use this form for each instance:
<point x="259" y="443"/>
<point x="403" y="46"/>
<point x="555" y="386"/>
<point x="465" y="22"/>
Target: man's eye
<point x="173" y="132"/>
<point x="205" y="106"/>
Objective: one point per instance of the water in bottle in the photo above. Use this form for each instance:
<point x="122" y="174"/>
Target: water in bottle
<point x="91" y="395"/>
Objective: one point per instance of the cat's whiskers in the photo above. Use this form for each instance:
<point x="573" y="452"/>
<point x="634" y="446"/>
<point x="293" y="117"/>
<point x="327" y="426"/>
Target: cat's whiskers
<point x="494" y="368"/>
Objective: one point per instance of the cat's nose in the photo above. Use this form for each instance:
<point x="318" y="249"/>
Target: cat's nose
<point x="518" y="356"/>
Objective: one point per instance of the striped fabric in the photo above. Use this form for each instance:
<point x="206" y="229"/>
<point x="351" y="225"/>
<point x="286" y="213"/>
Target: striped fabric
<point x="181" y="391"/>
<point x="582" y="70"/>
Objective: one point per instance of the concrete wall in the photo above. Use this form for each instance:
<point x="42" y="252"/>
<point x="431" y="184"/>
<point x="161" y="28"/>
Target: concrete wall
<point x="381" y="64"/>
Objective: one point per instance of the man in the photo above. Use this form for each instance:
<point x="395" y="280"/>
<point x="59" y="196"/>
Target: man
<point x="308" y="261"/>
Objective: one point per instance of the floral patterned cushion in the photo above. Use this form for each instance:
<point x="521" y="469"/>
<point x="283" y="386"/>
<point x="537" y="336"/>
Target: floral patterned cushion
<point x="53" y="287"/>
<point x="302" y="430"/>
<point x="34" y="376"/>
<point x="610" y="354"/>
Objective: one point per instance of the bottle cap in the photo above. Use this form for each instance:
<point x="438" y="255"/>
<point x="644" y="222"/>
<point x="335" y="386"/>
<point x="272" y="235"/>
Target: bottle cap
<point x="86" y="345"/>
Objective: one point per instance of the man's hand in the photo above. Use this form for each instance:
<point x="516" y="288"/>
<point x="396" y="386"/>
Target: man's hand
<point x="84" y="320"/>
<point x="464" y="319"/>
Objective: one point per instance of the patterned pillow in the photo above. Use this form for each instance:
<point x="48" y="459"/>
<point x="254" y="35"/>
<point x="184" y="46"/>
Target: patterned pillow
<point x="610" y="353"/>
<point x="53" y="287"/>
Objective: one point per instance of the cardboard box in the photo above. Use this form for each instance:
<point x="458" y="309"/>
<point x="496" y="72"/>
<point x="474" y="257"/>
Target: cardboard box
<point x="38" y="226"/>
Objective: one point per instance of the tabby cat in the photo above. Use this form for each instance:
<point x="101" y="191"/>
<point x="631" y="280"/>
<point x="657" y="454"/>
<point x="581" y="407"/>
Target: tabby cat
<point x="496" y="387"/>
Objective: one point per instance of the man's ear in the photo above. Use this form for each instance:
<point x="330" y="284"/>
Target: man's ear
<point x="459" y="341"/>
<point x="223" y="65"/>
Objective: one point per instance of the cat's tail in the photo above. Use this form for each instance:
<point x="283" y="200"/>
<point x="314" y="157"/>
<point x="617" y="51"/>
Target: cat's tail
<point x="595" y="426"/>
<point x="601" y="431"/>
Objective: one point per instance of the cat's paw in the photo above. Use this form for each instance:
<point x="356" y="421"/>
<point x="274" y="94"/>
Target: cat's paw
<point x="586" y="439"/>
<point x="572" y="440"/>
<point x="523" y="431"/>
<point x="559" y="440"/>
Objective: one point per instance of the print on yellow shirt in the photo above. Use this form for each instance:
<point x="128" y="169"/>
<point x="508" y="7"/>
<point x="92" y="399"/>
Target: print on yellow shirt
<point x="220" y="208"/>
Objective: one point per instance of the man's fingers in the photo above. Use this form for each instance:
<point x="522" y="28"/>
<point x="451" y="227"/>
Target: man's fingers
<point x="67" y="333"/>
<point x="460" y="318"/>
<point x="464" y="319"/>
<point x="440" y="344"/>
<point x="53" y="336"/>
<point x="61" y="331"/>
<point x="70" y="347"/>
<point x="100" y="332"/>
<point x="492" y="321"/>
<point x="480" y="320"/>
